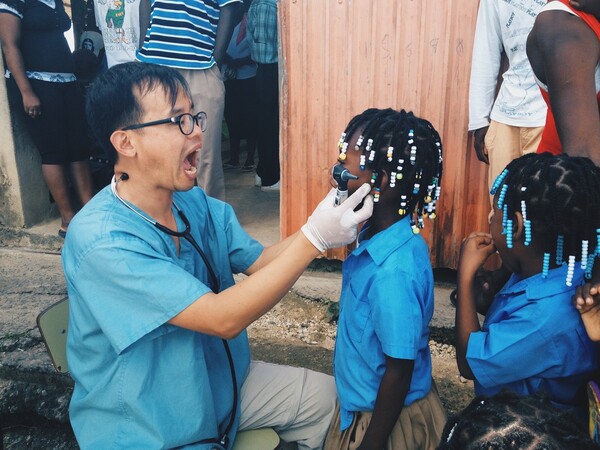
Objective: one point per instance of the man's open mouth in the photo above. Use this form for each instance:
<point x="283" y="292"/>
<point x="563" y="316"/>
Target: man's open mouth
<point x="189" y="164"/>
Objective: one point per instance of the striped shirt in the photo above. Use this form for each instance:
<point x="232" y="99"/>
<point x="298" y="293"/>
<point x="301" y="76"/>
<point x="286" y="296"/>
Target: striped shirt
<point x="182" y="33"/>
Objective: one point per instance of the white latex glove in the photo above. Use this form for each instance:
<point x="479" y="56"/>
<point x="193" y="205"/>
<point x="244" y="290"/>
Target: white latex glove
<point x="332" y="226"/>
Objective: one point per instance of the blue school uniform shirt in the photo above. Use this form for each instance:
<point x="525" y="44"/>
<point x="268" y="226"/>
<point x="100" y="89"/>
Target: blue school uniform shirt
<point x="386" y="305"/>
<point x="533" y="340"/>
<point x="139" y="381"/>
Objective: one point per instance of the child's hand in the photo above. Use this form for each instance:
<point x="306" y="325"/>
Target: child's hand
<point x="474" y="251"/>
<point x="587" y="301"/>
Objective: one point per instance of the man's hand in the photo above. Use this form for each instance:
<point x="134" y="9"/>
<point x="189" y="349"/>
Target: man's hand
<point x="480" y="150"/>
<point x="474" y="251"/>
<point x="332" y="226"/>
<point x="587" y="302"/>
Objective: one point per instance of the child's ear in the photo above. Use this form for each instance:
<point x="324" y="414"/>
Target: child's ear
<point x="384" y="180"/>
<point x="518" y="228"/>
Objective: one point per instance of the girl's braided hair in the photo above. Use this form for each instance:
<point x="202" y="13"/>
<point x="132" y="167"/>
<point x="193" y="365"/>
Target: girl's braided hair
<point x="408" y="148"/>
<point x="560" y="196"/>
<point x="510" y="421"/>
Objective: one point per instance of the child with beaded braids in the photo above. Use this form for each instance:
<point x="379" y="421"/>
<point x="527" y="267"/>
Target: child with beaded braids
<point x="382" y="365"/>
<point x="545" y="227"/>
<point x="510" y="421"/>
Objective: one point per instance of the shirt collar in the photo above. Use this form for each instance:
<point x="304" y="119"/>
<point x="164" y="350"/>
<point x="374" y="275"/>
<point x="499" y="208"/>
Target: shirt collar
<point x="536" y="286"/>
<point x="384" y="243"/>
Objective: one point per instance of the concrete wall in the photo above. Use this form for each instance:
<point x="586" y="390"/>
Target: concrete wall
<point x="24" y="198"/>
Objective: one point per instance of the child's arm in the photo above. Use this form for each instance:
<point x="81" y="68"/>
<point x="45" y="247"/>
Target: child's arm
<point x="390" y="400"/>
<point x="587" y="301"/>
<point x="474" y="251"/>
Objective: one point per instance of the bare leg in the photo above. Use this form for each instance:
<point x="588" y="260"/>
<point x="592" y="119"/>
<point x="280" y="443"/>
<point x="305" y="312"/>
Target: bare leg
<point x="82" y="178"/>
<point x="55" y="177"/>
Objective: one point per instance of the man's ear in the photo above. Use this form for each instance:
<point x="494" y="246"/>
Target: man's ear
<point x="122" y="143"/>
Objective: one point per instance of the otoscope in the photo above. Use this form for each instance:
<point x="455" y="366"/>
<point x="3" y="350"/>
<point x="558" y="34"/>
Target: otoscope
<point x="341" y="177"/>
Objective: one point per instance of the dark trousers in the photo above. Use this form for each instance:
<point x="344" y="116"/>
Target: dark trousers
<point x="267" y="109"/>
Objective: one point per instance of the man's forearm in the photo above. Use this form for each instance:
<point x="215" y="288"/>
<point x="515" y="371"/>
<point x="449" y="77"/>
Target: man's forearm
<point x="228" y="18"/>
<point x="144" y="11"/>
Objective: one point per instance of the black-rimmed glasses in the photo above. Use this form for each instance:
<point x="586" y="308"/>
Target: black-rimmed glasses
<point x="185" y="121"/>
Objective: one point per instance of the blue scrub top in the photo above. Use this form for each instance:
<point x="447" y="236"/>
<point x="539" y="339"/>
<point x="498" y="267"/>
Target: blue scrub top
<point x="140" y="382"/>
<point x="385" y="309"/>
<point x="533" y="340"/>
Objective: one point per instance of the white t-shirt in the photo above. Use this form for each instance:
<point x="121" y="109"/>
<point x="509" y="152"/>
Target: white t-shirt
<point x="503" y="25"/>
<point x="119" y="22"/>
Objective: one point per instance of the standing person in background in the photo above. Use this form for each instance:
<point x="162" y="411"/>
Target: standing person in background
<point x="510" y="124"/>
<point x="192" y="37"/>
<point x="564" y="51"/>
<point x="262" y="31"/>
<point x="41" y="80"/>
<point x="240" y="96"/>
<point x="119" y="23"/>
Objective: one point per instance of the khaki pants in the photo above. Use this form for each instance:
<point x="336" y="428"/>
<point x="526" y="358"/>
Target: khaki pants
<point x="208" y="95"/>
<point x="505" y="143"/>
<point x="419" y="427"/>
<point x="297" y="403"/>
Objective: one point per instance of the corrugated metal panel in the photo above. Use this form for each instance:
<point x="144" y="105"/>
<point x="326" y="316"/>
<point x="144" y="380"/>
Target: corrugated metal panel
<point x="341" y="57"/>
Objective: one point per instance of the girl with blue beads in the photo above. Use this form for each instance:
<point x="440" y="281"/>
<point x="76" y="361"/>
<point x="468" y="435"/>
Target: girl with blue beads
<point x="382" y="362"/>
<point x="544" y="226"/>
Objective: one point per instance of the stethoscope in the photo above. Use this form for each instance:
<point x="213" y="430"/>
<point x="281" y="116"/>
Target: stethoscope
<point x="215" y="286"/>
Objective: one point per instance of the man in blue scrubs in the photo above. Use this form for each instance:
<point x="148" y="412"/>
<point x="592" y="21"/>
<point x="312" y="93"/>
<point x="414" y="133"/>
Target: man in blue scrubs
<point x="147" y="319"/>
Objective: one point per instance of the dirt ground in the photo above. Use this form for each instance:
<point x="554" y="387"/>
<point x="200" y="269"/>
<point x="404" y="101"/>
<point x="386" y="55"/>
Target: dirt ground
<point x="297" y="332"/>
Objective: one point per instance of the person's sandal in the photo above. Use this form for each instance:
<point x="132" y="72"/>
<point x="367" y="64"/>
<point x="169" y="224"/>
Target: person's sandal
<point x="62" y="233"/>
<point x="453" y="296"/>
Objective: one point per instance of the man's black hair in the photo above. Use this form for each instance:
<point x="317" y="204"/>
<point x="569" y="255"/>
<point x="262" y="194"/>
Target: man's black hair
<point x="113" y="98"/>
